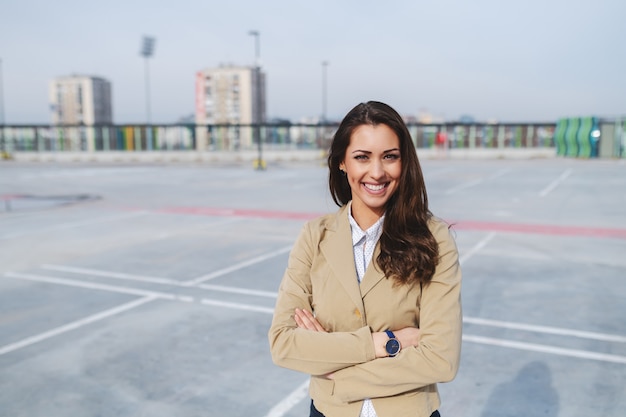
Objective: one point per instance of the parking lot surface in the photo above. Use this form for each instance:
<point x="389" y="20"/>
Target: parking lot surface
<point x="148" y="289"/>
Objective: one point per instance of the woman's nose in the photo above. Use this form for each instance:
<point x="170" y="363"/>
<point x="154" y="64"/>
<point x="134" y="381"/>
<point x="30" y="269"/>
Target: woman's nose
<point x="377" y="170"/>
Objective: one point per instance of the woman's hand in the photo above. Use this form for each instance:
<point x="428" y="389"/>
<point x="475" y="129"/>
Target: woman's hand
<point x="408" y="336"/>
<point x="306" y="320"/>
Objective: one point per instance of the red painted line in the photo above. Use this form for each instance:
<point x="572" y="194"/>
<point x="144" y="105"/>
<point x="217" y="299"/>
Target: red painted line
<point x="542" y="229"/>
<point x="263" y="214"/>
<point x="10" y="196"/>
<point x="538" y="229"/>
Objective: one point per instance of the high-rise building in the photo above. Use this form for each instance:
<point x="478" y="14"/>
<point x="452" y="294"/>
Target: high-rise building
<point x="80" y="99"/>
<point x="228" y="95"/>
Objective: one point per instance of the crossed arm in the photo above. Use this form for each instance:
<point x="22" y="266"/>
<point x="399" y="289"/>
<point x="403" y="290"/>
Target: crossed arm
<point x="408" y="336"/>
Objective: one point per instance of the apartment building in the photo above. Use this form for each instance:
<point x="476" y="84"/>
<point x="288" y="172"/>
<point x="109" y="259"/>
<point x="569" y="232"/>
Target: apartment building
<point x="230" y="95"/>
<point x="80" y="99"/>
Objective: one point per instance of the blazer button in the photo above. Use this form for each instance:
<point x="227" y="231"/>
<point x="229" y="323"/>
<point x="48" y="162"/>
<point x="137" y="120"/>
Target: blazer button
<point x="357" y="312"/>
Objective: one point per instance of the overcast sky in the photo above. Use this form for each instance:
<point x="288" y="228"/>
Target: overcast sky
<point x="525" y="60"/>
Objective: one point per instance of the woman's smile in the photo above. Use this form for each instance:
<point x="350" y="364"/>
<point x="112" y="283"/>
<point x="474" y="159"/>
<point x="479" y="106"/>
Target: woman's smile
<point x="375" y="188"/>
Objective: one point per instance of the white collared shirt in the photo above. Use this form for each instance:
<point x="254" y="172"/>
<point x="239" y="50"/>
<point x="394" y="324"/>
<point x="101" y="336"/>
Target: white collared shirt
<point x="363" y="244"/>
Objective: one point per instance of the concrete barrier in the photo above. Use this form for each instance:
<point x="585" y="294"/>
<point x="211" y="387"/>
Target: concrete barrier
<point x="314" y="155"/>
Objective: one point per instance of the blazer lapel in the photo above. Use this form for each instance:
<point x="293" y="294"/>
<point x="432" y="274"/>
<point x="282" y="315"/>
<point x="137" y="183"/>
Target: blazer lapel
<point x="373" y="274"/>
<point x="338" y="252"/>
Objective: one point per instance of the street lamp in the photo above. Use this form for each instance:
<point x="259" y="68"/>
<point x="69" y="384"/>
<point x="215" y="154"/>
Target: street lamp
<point x="147" y="50"/>
<point x="1" y="97"/>
<point x="257" y="113"/>
<point x="324" y="90"/>
<point x="2" y="144"/>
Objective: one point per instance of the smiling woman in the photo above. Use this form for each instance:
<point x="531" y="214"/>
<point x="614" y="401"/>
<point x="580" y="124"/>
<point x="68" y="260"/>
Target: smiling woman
<point x="375" y="340"/>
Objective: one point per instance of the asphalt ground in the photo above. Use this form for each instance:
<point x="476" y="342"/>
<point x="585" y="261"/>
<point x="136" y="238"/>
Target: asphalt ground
<point x="147" y="290"/>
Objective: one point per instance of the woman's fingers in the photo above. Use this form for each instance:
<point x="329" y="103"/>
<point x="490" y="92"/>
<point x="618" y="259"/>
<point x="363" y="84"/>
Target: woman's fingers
<point x="302" y="320"/>
<point x="409" y="336"/>
<point x="306" y="320"/>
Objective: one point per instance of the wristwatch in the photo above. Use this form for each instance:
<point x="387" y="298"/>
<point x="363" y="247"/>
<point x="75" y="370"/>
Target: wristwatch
<point x="393" y="345"/>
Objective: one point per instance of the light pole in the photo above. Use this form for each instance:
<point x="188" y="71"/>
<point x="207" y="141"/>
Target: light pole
<point x="1" y="97"/>
<point x="324" y="89"/>
<point x="147" y="50"/>
<point x="2" y="144"/>
<point x="257" y="113"/>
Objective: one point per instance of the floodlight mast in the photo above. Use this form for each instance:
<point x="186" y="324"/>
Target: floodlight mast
<point x="324" y="90"/>
<point x="147" y="50"/>
<point x="3" y="149"/>
<point x="1" y="97"/>
<point x="258" y="114"/>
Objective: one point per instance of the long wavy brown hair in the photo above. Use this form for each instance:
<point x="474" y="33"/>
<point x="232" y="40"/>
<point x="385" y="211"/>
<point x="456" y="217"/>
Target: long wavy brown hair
<point x="408" y="250"/>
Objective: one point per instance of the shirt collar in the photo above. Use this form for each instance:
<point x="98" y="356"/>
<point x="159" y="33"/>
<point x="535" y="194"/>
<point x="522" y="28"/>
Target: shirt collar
<point x="372" y="233"/>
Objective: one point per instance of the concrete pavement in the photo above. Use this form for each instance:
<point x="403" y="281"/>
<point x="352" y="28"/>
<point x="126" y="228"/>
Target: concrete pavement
<point x="146" y="289"/>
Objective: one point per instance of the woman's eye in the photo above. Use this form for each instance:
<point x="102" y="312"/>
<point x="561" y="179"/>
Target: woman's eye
<point x="392" y="156"/>
<point x="361" y="157"/>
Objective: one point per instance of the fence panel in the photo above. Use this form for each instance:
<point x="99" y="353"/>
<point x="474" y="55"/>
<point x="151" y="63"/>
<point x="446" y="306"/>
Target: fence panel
<point x="190" y="137"/>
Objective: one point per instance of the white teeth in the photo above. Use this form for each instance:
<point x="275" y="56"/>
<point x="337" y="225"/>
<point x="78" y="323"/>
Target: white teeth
<point x="374" y="187"/>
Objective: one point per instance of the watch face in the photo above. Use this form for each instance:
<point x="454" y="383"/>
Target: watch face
<point x="392" y="347"/>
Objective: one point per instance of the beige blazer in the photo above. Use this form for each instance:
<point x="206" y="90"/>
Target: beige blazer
<point x="321" y="277"/>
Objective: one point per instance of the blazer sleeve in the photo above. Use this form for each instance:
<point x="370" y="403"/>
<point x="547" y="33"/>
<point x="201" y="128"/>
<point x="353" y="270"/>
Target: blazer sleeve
<point x="436" y="358"/>
<point x="315" y="353"/>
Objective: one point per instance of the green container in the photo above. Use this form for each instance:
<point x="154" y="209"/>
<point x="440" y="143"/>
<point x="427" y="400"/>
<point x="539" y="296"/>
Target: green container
<point x="583" y="137"/>
<point x="571" y="142"/>
<point x="559" y="136"/>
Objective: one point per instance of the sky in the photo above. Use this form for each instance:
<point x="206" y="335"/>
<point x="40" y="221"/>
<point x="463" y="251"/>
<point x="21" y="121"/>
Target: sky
<point x="494" y="60"/>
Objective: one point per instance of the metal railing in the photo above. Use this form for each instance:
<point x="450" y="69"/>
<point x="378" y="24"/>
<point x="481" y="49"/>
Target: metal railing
<point x="190" y="137"/>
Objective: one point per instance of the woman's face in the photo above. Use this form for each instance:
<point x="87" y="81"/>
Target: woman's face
<point x="373" y="167"/>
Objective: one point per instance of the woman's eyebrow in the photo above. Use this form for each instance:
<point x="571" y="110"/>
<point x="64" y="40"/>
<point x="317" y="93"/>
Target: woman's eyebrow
<point x="369" y="152"/>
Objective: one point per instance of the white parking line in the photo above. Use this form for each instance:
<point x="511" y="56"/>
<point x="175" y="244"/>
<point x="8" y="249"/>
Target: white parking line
<point x="290" y="401"/>
<point x="235" y="267"/>
<point x="268" y="294"/>
<point x="151" y="295"/>
<point x="74" y="325"/>
<point x="546" y="329"/>
<point x="109" y="274"/>
<point x="96" y="286"/>
<point x="463" y="186"/>
<point x="234" y="290"/>
<point x="156" y="280"/>
<point x="474" y="183"/>
<point x="583" y="354"/>
<point x="237" y="306"/>
<point x="481" y="244"/>
<point x="555" y="183"/>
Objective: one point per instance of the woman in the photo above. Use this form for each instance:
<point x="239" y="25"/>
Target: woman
<point x="376" y="337"/>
